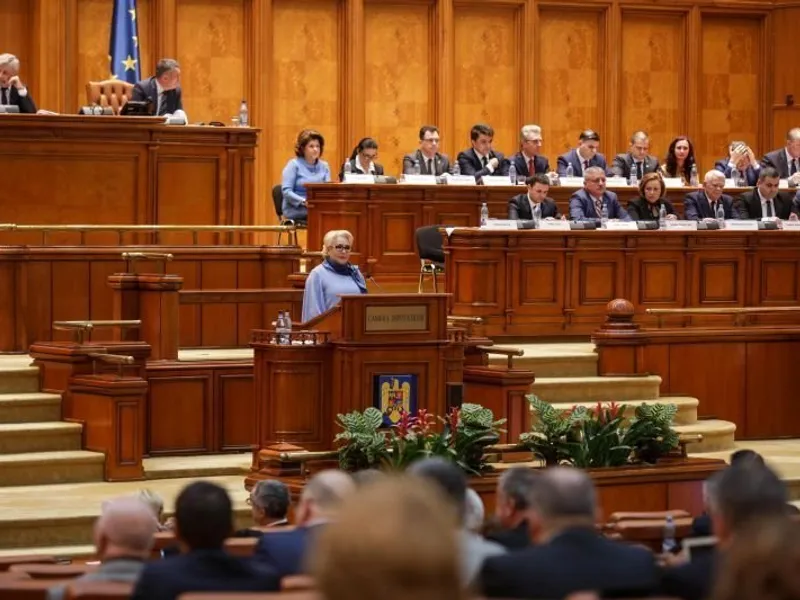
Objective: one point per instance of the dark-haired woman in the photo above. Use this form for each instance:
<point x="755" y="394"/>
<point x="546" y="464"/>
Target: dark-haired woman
<point x="362" y="160"/>
<point x="680" y="160"/>
<point x="307" y="167"/>
<point x="647" y="206"/>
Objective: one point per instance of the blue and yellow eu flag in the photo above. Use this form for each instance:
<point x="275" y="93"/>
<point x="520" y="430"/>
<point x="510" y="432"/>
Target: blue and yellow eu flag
<point x="123" y="53"/>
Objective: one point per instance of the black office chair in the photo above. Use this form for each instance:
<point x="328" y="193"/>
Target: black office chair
<point x="277" y="200"/>
<point x="431" y="255"/>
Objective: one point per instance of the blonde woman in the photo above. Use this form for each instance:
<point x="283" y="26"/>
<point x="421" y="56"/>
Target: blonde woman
<point x="333" y="277"/>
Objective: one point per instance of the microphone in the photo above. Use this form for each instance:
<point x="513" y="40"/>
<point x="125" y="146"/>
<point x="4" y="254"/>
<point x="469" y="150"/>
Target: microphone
<point x="369" y="277"/>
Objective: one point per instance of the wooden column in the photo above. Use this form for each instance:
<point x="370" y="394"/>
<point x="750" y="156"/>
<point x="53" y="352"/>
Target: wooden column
<point x="354" y="122"/>
<point x="502" y="389"/>
<point x="619" y="341"/>
<point x="49" y="26"/>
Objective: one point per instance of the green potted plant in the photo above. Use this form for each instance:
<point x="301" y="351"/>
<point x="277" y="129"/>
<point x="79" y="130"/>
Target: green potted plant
<point x="362" y="445"/>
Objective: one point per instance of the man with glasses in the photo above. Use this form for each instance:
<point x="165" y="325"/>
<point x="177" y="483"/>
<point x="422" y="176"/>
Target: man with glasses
<point x="430" y="160"/>
<point x="637" y="156"/>
<point x="587" y="204"/>
<point x="702" y="205"/>
<point x="527" y="161"/>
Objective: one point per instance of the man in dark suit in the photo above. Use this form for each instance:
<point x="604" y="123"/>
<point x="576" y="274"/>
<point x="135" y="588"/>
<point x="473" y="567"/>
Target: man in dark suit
<point x="514" y="490"/>
<point x="741" y="162"/>
<point x="528" y="161"/>
<point x="584" y="156"/>
<point x="269" y="504"/>
<point x="12" y="91"/>
<point x="428" y="157"/>
<point x="765" y="200"/>
<point x="569" y="555"/>
<point x="587" y="204"/>
<point x="637" y="155"/>
<point x="203" y="519"/>
<point x="285" y="551"/>
<point x="481" y="160"/>
<point x="786" y="160"/>
<point x="703" y="205"/>
<point x="163" y="90"/>
<point x="523" y="206"/>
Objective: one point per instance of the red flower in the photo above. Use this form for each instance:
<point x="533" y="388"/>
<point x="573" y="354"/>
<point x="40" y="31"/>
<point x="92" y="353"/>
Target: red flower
<point x="614" y="409"/>
<point x="453" y="419"/>
<point x="404" y="425"/>
<point x="422" y="422"/>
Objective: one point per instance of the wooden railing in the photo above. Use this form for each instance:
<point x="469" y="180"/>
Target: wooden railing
<point x="83" y="329"/>
<point x="739" y="313"/>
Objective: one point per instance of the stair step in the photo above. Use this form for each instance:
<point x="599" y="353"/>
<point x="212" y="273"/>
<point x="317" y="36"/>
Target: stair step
<point x="687" y="407"/>
<point x="52" y="436"/>
<point x="44" y="468"/>
<point x="717" y="435"/>
<point x="594" y="389"/>
<point x="29" y="407"/>
<point x="553" y="360"/>
<point x="17" y="376"/>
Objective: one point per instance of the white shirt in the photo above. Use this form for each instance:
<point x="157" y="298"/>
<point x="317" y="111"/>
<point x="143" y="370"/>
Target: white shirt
<point x="5" y="94"/>
<point x="159" y="96"/>
<point x="533" y="207"/>
<point x="362" y="169"/>
<point x="764" y="203"/>
<point x="480" y="156"/>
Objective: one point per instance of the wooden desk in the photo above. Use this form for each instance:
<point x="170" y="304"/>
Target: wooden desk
<point x="526" y="283"/>
<point x="100" y="170"/>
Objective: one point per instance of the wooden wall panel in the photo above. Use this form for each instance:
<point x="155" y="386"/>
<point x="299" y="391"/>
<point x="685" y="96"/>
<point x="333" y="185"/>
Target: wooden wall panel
<point x="210" y="38"/>
<point x="306" y="89"/>
<point x="730" y="84"/>
<point x="653" y="72"/>
<point x="399" y="95"/>
<point x="569" y="66"/>
<point x="15" y="33"/>
<point x="487" y="85"/>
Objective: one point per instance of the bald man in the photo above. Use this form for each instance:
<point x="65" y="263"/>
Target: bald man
<point x="123" y="536"/>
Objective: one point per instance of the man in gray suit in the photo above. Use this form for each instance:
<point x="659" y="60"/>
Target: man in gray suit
<point x="123" y="536"/>
<point x="637" y="155"/>
<point x="431" y="162"/>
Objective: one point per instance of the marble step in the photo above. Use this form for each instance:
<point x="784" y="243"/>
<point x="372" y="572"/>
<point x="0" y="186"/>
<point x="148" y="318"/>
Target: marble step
<point x="16" y="438"/>
<point x="687" y="407"/>
<point x="29" y="407"/>
<point x="553" y="360"/>
<point x="593" y="389"/>
<point x="44" y="468"/>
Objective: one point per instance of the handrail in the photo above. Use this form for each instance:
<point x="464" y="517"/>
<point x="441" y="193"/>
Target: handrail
<point x="82" y="328"/>
<point x="469" y="320"/>
<point x="741" y="310"/>
<point x="509" y="353"/>
<point x="147" y="256"/>
<point x="114" y="359"/>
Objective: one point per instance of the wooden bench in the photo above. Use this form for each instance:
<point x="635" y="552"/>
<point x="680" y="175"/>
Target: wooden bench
<point x="7" y="561"/>
<point x="47" y="571"/>
<point x="27" y="589"/>
<point x="98" y="590"/>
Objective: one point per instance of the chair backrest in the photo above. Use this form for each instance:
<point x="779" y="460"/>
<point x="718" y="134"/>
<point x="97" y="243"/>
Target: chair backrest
<point x="44" y="571"/>
<point x="98" y="590"/>
<point x="27" y="589"/>
<point x="297" y="583"/>
<point x="429" y="243"/>
<point x="241" y="546"/>
<point x="277" y="200"/>
<point x="111" y="92"/>
<point x="647" y="516"/>
<point x="7" y="561"/>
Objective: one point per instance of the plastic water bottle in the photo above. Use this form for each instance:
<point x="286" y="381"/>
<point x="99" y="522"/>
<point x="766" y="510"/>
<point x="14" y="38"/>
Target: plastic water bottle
<point x="417" y="168"/>
<point x="456" y="170"/>
<point x="669" y="543"/>
<point x="287" y="323"/>
<point x="484" y="215"/>
<point x="280" y="329"/>
<point x="512" y="173"/>
<point x="604" y="216"/>
<point x="348" y="168"/>
<point x="570" y="172"/>
<point x="634" y="178"/>
<point x="694" y="179"/>
<point x="720" y="214"/>
<point x="662" y="217"/>
<point x="244" y="115"/>
<point x="738" y="180"/>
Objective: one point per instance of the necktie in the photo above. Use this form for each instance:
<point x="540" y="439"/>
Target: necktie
<point x="484" y="161"/>
<point x="713" y="209"/>
<point x="598" y="207"/>
<point x="585" y="165"/>
<point x="429" y="165"/>
<point x="793" y="168"/>
<point x="537" y="211"/>
<point x="770" y="212"/>
<point x="531" y="167"/>
<point x="162" y="104"/>
<point x="639" y="170"/>
<point x="6" y="96"/>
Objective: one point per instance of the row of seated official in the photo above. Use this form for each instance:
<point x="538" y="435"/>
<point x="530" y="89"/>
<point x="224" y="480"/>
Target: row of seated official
<point x="763" y="201"/>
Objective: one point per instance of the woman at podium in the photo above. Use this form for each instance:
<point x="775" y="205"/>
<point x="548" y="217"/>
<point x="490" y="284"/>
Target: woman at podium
<point x="334" y="277"/>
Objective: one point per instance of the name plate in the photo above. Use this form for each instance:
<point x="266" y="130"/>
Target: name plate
<point x="358" y="178"/>
<point x="496" y="180"/>
<point x="501" y="224"/>
<point x="396" y="318"/>
<point x="679" y="225"/>
<point x="783" y="184"/>
<point x="791" y="225"/>
<point x="616" y="182"/>
<point x="554" y="225"/>
<point x="460" y="180"/>
<point x="729" y="183"/>
<point x="741" y="225"/>
<point x="622" y="226"/>
<point x="672" y="183"/>
<point x="419" y="179"/>
<point x="571" y="181"/>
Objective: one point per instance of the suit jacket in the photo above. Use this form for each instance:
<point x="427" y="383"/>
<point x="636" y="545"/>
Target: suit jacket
<point x="520" y="208"/>
<point x="750" y="205"/>
<point x="355" y="169"/>
<point x="701" y="526"/>
<point x="285" y="552"/>
<point x="203" y="571"/>
<point x="540" y="164"/>
<point x="621" y="165"/>
<point x="581" y="207"/>
<point x="691" y="581"/>
<point x="639" y="209"/>
<point x="696" y="207"/>
<point x="470" y="164"/>
<point x="572" y="158"/>
<point x="750" y="175"/>
<point x="441" y="164"/>
<point x="512" y="539"/>
<point x="575" y="560"/>
<point x="25" y="103"/>
<point x="124" y="570"/>
<point x="777" y="160"/>
<point x="147" y="90"/>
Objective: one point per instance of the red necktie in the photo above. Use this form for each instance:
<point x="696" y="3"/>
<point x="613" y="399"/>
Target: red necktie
<point x="531" y="168"/>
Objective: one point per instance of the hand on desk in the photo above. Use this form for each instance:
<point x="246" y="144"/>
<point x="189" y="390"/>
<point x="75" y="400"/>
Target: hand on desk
<point x="672" y="217"/>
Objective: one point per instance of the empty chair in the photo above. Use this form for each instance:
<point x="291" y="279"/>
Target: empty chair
<point x="111" y="92"/>
<point x="277" y="200"/>
<point x="431" y="255"/>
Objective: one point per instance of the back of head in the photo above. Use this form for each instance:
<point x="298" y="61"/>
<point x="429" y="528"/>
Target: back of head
<point x="564" y="494"/>
<point x="474" y="511"/>
<point x="589" y="135"/>
<point x="746" y="455"/>
<point x="272" y="496"/>
<point x="517" y="484"/>
<point x="203" y="515"/>
<point x="745" y="491"/>
<point x="394" y="540"/>
<point x="125" y="528"/>
<point x="324" y="493"/>
<point x="367" y="477"/>
<point x="446" y="477"/>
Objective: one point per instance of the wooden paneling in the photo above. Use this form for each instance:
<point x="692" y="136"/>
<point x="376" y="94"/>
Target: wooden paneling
<point x="398" y="90"/>
<point x="15" y="31"/>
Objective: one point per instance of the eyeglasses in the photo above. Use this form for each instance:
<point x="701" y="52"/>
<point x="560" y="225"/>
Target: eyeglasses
<point x="371" y="156"/>
<point x="249" y="501"/>
<point x="342" y="248"/>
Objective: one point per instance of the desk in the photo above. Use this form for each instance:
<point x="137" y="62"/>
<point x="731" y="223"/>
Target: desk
<point x="134" y="170"/>
<point x="527" y="283"/>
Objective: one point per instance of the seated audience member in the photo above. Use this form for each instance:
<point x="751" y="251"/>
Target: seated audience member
<point x="269" y="504"/>
<point x="587" y="204"/>
<point x="306" y="167"/>
<point x="430" y="160"/>
<point x="761" y="562"/>
<point x="738" y="496"/>
<point x="570" y="555"/>
<point x="636" y="155"/>
<point x="362" y="159"/>
<point x="475" y="513"/>
<point x="514" y="490"/>
<point x="702" y="205"/>
<point x="156" y="504"/>
<point x="585" y="156"/>
<point x="333" y="277"/>
<point x="765" y="200"/>
<point x="163" y="90"/>
<point x="123" y="536"/>
<point x="203" y="520"/>
<point x="452" y="482"/>
<point x="394" y="540"/>
<point x="786" y="160"/>
<point x="320" y="501"/>
<point x="680" y="160"/>
<point x="528" y="162"/>
<point x="367" y="477"/>
<point x="535" y="204"/>
<point x="740" y="163"/>
<point x="481" y="160"/>
<point x="12" y="90"/>
<point x="652" y="196"/>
